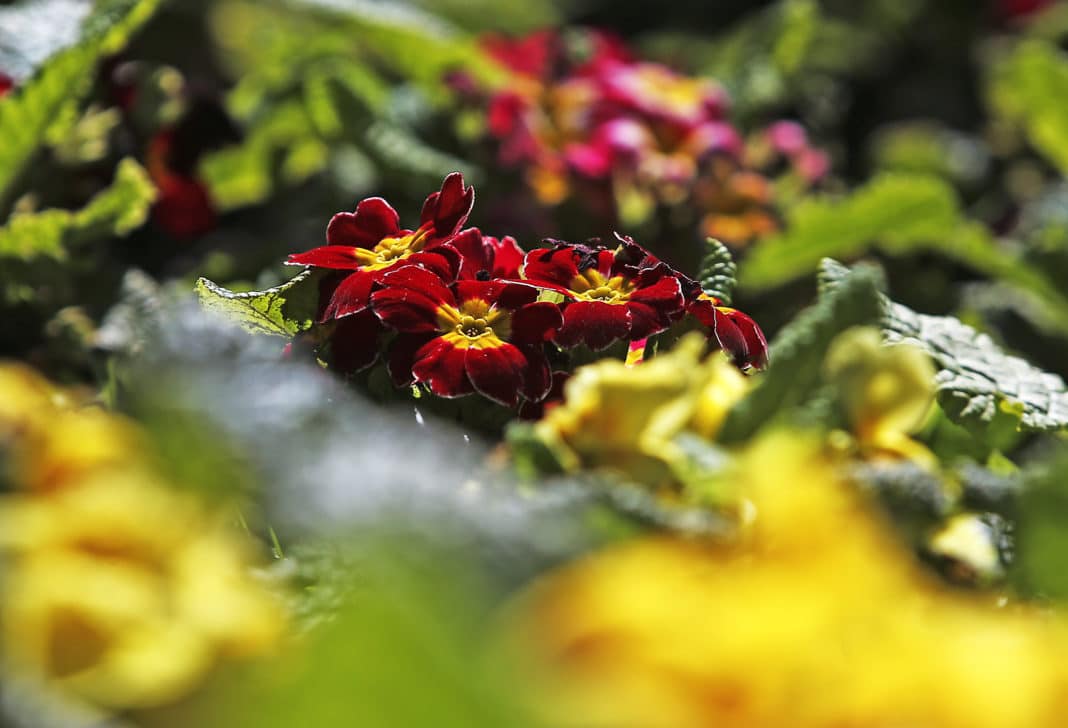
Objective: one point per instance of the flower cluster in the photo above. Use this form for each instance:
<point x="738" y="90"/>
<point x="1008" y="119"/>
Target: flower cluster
<point x="119" y="590"/>
<point x="461" y="312"/>
<point x="631" y="134"/>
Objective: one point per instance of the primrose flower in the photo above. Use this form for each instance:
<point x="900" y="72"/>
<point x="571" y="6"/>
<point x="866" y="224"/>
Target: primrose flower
<point x="815" y="617"/>
<point x="662" y="94"/>
<point x="124" y="593"/>
<point x="887" y="391"/>
<point x="483" y="257"/>
<point x="474" y="336"/>
<point x="610" y="295"/>
<point x="738" y="201"/>
<point x="625" y="419"/>
<point x="370" y="242"/>
<point x="6" y="83"/>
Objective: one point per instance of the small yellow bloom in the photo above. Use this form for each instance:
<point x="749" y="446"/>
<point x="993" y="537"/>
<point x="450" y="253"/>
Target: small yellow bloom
<point x="887" y="391"/>
<point x="624" y="418"/>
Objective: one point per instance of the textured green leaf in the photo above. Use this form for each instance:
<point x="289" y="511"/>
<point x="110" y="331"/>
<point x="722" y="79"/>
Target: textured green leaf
<point x="797" y="352"/>
<point x="1042" y="530"/>
<point x="27" y="114"/>
<point x="284" y="310"/>
<point x="1029" y="86"/>
<point x="978" y="383"/>
<point x="718" y="272"/>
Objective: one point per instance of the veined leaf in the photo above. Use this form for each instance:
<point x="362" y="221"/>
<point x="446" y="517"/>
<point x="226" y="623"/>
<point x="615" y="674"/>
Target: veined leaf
<point x="284" y="310"/>
<point x="718" y="272"/>
<point x="27" y="114"/>
<point x="797" y="352"/>
<point x="978" y="383"/>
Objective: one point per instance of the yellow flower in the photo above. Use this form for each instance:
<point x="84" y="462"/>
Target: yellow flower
<point x="887" y="391"/>
<point x="28" y="402"/>
<point x="624" y="418"/>
<point x="124" y="592"/>
<point x="816" y="617"/>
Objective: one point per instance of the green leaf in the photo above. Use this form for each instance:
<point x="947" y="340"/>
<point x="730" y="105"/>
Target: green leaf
<point x="717" y="272"/>
<point x="1028" y="87"/>
<point x="978" y="383"/>
<point x="899" y="214"/>
<point x="27" y="114"/>
<point x="797" y="352"/>
<point x="30" y="240"/>
<point x="1042" y="530"/>
<point x="284" y="310"/>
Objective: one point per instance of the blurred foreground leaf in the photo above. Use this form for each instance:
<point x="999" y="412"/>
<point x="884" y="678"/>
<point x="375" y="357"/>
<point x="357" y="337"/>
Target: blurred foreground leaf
<point x="284" y="310"/>
<point x="28" y="113"/>
<point x="978" y="383"/>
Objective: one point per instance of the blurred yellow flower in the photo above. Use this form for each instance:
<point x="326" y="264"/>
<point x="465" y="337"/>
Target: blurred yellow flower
<point x="887" y="391"/>
<point x="117" y="588"/>
<point x="816" y="617"/>
<point x="624" y="418"/>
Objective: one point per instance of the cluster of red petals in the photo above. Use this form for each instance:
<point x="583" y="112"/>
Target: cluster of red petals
<point x="472" y="313"/>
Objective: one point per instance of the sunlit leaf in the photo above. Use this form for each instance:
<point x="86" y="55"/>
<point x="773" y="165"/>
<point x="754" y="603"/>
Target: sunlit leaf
<point x="280" y="311"/>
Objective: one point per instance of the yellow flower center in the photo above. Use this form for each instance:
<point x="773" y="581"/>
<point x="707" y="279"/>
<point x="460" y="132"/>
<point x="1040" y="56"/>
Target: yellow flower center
<point x="590" y="285"/>
<point x="476" y="324"/>
<point x="390" y="250"/>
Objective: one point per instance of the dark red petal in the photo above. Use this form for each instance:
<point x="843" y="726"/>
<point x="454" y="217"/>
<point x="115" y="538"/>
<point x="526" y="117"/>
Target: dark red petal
<point x="442" y="262"/>
<point x="595" y="323"/>
<point x="537" y="380"/>
<point x="475" y="254"/>
<point x="535" y="323"/>
<point x="440" y="365"/>
<point x="665" y="294"/>
<point x="646" y="320"/>
<point x="335" y="257"/>
<point x="754" y="337"/>
<point x="421" y="280"/>
<point x="449" y="208"/>
<point x="652" y="309"/>
<point x="496" y="372"/>
<point x="351" y="296"/>
<point x="354" y="342"/>
<point x="558" y="265"/>
<point x="507" y="257"/>
<point x="402" y="357"/>
<point x="373" y="220"/>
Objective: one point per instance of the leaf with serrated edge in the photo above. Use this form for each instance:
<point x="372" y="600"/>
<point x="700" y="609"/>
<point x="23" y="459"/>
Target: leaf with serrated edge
<point x="718" y="272"/>
<point x="261" y="312"/>
<point x="976" y="378"/>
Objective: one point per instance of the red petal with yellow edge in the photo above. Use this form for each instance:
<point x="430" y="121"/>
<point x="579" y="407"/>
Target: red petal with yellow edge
<point x="334" y="257"/>
<point x="754" y="337"/>
<point x="497" y="372"/>
<point x="594" y="323"/>
<point x="373" y="220"/>
<point x="351" y="296"/>
<point x="440" y="365"/>
<point x="402" y="357"/>
<point x="354" y="343"/>
<point x="449" y="208"/>
<point x="536" y="323"/>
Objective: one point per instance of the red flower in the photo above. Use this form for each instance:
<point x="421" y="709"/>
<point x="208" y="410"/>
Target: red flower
<point x="624" y="293"/>
<point x="473" y="336"/>
<point x="6" y="83"/>
<point x="370" y="243"/>
<point x="183" y="208"/>
<point x="733" y="331"/>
